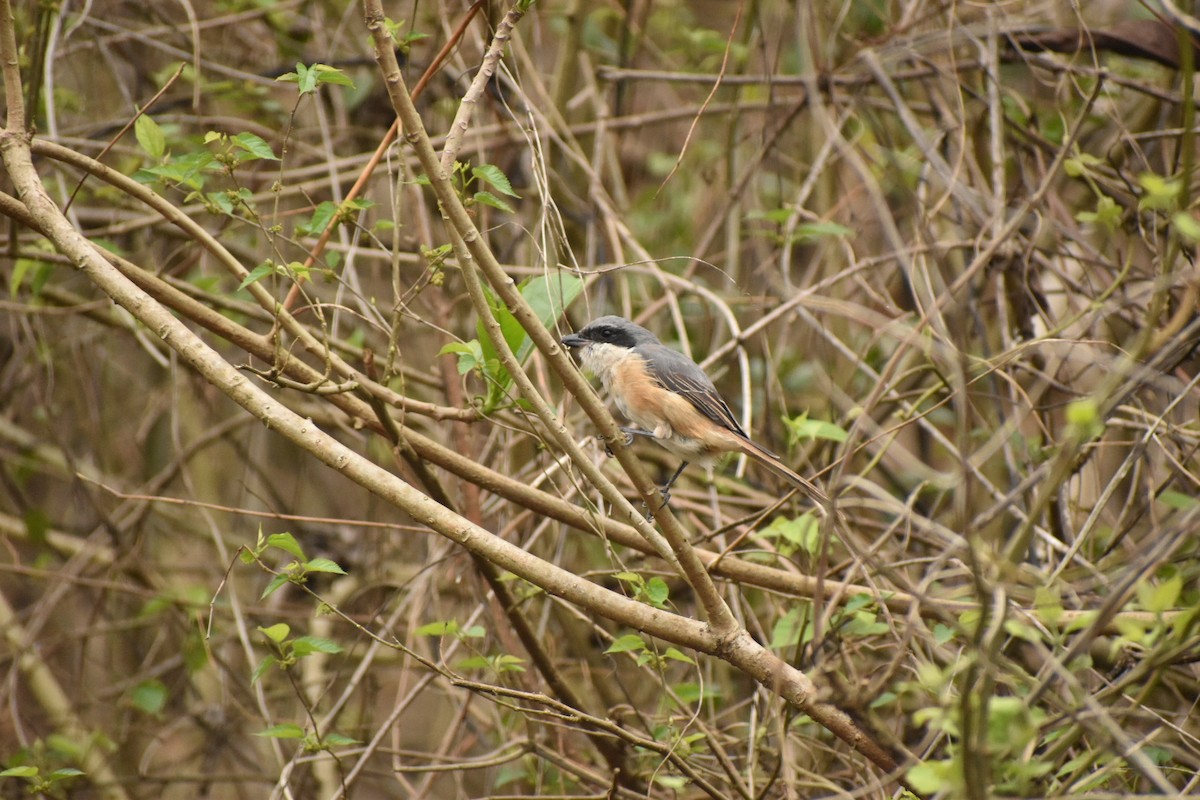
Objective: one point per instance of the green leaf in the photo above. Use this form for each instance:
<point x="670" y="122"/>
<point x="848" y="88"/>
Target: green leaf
<point x="262" y="668"/>
<point x="812" y="231"/>
<point x="287" y="543"/>
<point x="675" y="655"/>
<point x="1084" y="419"/>
<point x="443" y="628"/>
<point x="793" y="628"/>
<point x="630" y="642"/>
<point x="257" y="274"/>
<point x="1053" y="127"/>
<point x="325" y="213"/>
<point x="474" y="662"/>
<point x="942" y="633"/>
<point x="1020" y="630"/>
<point x="1187" y="226"/>
<point x="632" y="578"/>
<point x="800" y="533"/>
<point x="324" y="565"/>
<point x="277" y="632"/>
<point x="1177" y="500"/>
<point x="1158" y="755"/>
<point x="1085" y="620"/>
<point x="331" y="75"/>
<point x="657" y="592"/>
<point x="548" y="296"/>
<point x="20" y="772"/>
<point x="1048" y="602"/>
<point x="779" y="216"/>
<point x="493" y="175"/>
<point x="865" y="623"/>
<point x="1160" y="598"/>
<point x="150" y="137"/>
<point x="149" y="696"/>
<point x="338" y="740"/>
<point x="309" y="78"/>
<point x="488" y="199"/>
<point x="185" y="170"/>
<point x="276" y="582"/>
<point x="690" y="692"/>
<point x="306" y="645"/>
<point x="884" y="699"/>
<point x="65" y="772"/>
<point x="507" y="663"/>
<point x="470" y="355"/>
<point x="1081" y="164"/>
<point x="285" y="730"/>
<point x="1010" y="724"/>
<point x="930" y="777"/>
<point x="802" y="428"/>
<point x="253" y="147"/>
<point x="1159" y="193"/>
<point x="1107" y="214"/>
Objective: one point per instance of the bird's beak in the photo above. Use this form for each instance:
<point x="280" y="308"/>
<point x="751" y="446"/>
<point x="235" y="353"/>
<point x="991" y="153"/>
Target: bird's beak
<point x="574" y="340"/>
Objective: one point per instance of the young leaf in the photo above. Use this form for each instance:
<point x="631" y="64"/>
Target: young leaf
<point x="277" y="632"/>
<point x="791" y="629"/>
<point x="331" y="75"/>
<point x="149" y="696"/>
<point x="322" y="215"/>
<point x="657" y="592"/>
<point x="1159" y="598"/>
<point x="628" y="643"/>
<point x="338" y="740"/>
<point x="287" y="543"/>
<point x="443" y="628"/>
<point x="257" y="274"/>
<point x="285" y="730"/>
<point x="254" y="146"/>
<point x="491" y="174"/>
<point x="470" y="355"/>
<point x="150" y="137"/>
<point x="306" y="645"/>
<point x="324" y="565"/>
<point x="812" y="231"/>
<point x="507" y="663"/>
<point x="802" y="428"/>
<point x="488" y="199"/>
<point x="262" y="668"/>
<point x="548" y="296"/>
<point x="276" y="582"/>
<point x="676" y="655"/>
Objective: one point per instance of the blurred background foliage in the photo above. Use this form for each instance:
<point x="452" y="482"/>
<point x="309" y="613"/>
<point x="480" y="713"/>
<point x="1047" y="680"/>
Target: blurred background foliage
<point x="941" y="255"/>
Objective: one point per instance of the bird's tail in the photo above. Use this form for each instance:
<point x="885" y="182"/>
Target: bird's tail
<point x="773" y="463"/>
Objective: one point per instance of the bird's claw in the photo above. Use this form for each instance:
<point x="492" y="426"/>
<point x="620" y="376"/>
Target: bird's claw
<point x="666" y="497"/>
<point x="608" y="447"/>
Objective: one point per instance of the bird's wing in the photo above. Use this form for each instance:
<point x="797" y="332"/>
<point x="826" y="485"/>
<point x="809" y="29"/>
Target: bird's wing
<point x="677" y="373"/>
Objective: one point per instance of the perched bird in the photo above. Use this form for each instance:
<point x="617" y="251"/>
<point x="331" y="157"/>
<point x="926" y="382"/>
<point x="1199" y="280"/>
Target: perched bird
<point x="670" y="398"/>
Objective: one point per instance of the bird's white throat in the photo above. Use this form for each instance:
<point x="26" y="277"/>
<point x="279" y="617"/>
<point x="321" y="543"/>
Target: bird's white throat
<point x="599" y="358"/>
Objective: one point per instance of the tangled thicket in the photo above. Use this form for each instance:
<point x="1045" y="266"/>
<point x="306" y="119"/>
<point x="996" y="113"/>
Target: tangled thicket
<point x="940" y="255"/>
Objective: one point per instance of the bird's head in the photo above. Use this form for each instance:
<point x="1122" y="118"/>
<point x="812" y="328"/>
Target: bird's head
<point x="610" y="330"/>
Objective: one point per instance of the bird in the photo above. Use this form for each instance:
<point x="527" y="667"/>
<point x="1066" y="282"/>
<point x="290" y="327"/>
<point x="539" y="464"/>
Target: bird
<point x="670" y="398"/>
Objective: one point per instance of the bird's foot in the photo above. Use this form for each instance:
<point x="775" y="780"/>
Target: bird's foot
<point x="628" y="441"/>
<point x="666" y="496"/>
